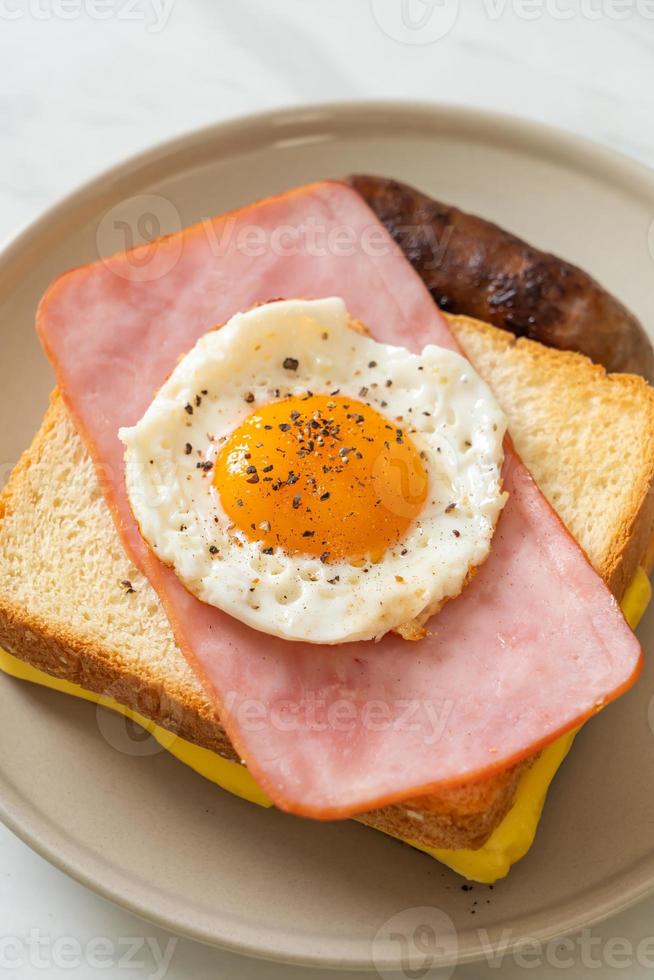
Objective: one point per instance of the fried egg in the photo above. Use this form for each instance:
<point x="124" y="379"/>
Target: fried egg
<point x="313" y="483"/>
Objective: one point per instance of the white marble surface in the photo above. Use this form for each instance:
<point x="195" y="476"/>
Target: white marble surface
<point x="85" y="83"/>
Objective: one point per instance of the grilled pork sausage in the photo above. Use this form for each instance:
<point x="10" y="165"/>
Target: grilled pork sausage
<point x="471" y="266"/>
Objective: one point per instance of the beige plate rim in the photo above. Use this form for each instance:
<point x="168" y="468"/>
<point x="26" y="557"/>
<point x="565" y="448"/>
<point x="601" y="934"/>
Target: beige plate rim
<point x="301" y="124"/>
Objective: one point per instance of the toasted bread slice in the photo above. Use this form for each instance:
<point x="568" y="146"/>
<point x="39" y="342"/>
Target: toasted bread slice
<point x="585" y="436"/>
<point x="73" y="604"/>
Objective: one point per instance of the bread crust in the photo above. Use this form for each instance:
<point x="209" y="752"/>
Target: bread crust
<point x="632" y="536"/>
<point x="461" y="817"/>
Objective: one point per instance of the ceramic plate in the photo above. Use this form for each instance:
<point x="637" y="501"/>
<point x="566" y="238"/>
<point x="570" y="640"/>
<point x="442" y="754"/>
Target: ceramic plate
<point x="147" y="832"/>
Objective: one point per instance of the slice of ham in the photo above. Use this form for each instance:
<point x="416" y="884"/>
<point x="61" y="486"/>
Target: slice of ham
<point x="535" y="645"/>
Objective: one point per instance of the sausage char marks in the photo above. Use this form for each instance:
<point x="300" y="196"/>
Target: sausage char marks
<point x="473" y="267"/>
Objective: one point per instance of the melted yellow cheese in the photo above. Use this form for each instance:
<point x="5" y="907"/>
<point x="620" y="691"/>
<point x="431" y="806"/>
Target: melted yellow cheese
<point x="511" y="839"/>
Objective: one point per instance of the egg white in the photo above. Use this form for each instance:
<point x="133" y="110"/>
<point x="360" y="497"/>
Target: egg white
<point x="447" y="410"/>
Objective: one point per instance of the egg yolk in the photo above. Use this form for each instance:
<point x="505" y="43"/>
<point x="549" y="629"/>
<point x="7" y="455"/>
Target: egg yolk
<point x="321" y="475"/>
